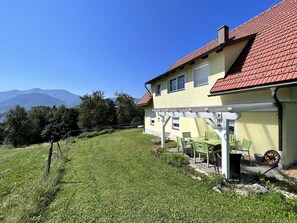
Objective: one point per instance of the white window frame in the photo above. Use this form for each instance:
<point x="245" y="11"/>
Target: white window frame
<point x="175" y="121"/>
<point x="200" y="66"/>
<point x="157" y="89"/>
<point x="176" y="85"/>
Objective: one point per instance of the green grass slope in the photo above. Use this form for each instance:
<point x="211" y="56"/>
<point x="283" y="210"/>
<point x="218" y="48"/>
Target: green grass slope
<point x="115" y="178"/>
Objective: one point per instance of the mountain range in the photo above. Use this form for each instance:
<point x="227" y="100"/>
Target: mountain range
<point x="35" y="97"/>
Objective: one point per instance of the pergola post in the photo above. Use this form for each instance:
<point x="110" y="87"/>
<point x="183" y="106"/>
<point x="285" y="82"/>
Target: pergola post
<point x="224" y="135"/>
<point x="164" y="122"/>
<point x="217" y="117"/>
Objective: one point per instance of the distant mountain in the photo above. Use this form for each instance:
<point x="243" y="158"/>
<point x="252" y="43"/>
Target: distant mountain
<point x="35" y="97"/>
<point x="30" y="100"/>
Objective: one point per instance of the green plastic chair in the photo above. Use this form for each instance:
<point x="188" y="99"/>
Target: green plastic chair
<point x="182" y="144"/>
<point x="211" y="135"/>
<point x="205" y="149"/>
<point x="244" y="146"/>
<point x="186" y="135"/>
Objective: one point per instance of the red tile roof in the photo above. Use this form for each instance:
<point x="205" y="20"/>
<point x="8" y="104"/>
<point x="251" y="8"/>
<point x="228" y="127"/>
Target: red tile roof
<point x="270" y="58"/>
<point x="145" y="99"/>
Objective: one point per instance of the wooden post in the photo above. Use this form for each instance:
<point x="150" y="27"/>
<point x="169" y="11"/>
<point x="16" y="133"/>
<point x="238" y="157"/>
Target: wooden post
<point x="59" y="149"/>
<point x="50" y="152"/>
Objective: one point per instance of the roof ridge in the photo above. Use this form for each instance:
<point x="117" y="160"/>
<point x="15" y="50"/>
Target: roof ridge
<point x="256" y="16"/>
<point x="205" y="45"/>
<point x="211" y="42"/>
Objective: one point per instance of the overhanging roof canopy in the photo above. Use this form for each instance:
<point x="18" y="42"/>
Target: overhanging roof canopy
<point x="202" y="111"/>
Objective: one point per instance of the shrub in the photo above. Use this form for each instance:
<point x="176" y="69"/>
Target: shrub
<point x="157" y="150"/>
<point x="95" y="133"/>
<point x="175" y="160"/>
<point x="217" y="180"/>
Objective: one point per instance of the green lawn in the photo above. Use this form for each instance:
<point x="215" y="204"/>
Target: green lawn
<point x="115" y="178"/>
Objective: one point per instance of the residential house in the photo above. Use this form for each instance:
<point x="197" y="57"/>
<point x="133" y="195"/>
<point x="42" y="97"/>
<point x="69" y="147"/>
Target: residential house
<point x="245" y="82"/>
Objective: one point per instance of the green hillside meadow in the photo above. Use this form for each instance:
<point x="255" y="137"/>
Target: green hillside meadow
<point x="115" y="178"/>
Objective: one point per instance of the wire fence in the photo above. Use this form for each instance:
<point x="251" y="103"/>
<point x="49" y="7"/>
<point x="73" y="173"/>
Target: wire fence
<point x="37" y="189"/>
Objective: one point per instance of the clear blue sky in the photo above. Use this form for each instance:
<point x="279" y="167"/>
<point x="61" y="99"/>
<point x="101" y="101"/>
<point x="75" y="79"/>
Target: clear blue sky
<point x="109" y="45"/>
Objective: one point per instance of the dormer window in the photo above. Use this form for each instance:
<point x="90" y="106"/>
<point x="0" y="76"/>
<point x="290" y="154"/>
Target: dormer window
<point x="177" y="84"/>
<point x="201" y="74"/>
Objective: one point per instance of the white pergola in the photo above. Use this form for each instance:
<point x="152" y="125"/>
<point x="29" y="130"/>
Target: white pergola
<point x="217" y="117"/>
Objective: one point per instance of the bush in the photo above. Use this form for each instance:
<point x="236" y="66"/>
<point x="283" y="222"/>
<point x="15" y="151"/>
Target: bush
<point x="95" y="133"/>
<point x="175" y="160"/>
<point x="157" y="150"/>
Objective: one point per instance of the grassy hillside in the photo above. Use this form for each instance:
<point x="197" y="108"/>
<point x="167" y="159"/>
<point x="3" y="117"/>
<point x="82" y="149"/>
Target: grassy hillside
<point x="23" y="182"/>
<point x="115" y="178"/>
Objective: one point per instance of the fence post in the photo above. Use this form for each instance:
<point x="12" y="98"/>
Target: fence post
<point x="50" y="152"/>
<point x="59" y="149"/>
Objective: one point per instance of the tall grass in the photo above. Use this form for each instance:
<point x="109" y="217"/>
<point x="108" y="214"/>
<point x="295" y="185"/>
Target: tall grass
<point x="25" y="189"/>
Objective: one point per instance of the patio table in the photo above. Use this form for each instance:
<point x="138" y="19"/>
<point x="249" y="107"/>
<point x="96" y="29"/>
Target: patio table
<point x="212" y="142"/>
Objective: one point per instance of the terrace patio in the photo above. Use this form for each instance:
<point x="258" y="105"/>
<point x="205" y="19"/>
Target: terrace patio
<point x="248" y="173"/>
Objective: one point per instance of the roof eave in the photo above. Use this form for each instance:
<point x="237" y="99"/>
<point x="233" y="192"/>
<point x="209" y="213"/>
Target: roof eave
<point x="218" y="48"/>
<point x="255" y="88"/>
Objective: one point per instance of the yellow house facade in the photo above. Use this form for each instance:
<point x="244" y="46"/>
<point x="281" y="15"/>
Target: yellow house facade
<point x="243" y="79"/>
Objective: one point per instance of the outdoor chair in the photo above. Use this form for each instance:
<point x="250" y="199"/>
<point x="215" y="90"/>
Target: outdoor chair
<point x="211" y="135"/>
<point x="186" y="135"/>
<point x="244" y="146"/>
<point x="182" y="144"/>
<point x="204" y="149"/>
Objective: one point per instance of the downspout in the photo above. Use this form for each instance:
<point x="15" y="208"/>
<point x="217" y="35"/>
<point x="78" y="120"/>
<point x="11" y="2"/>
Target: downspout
<point x="143" y="109"/>
<point x="280" y="118"/>
<point x="147" y="89"/>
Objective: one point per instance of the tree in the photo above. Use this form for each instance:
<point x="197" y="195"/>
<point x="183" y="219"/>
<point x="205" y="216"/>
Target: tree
<point x="126" y="109"/>
<point x="39" y="118"/>
<point x="18" y="127"/>
<point x="61" y="121"/>
<point x="111" y="117"/>
<point x="2" y="132"/>
<point x="94" y="111"/>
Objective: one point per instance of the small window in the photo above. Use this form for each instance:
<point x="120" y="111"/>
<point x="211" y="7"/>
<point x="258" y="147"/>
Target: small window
<point x="201" y="74"/>
<point x="152" y="121"/>
<point x="232" y="127"/>
<point x="177" y="84"/>
<point x="158" y="90"/>
<point x="172" y="85"/>
<point x="175" y="123"/>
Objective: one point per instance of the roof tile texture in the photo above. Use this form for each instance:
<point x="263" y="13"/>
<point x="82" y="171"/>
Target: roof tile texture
<point x="145" y="99"/>
<point x="270" y="58"/>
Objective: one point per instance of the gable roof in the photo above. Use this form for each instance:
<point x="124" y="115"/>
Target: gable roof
<point x="269" y="57"/>
<point x="145" y="99"/>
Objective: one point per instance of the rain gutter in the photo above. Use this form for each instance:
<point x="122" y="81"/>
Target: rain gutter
<point x="280" y="117"/>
